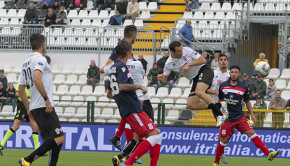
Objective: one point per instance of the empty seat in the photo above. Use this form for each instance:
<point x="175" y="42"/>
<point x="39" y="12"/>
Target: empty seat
<point x="185" y="115"/>
<point x="117" y="114"/>
<point x="220" y="15"/>
<point x="128" y="22"/>
<point x="288" y="86"/>
<point x="198" y="15"/>
<point x="97" y="22"/>
<point x="237" y="6"/>
<point x="270" y="7"/>
<point x="103" y="102"/>
<point x="107" y="113"/>
<point x="285" y="94"/>
<point x="227" y="6"/>
<point x="58" y="110"/>
<point x="145" y="15"/>
<point x="12" y="78"/>
<point x="86" y="22"/>
<point x="7" y="110"/>
<point x="186" y="93"/>
<point x="172" y="115"/>
<point x="99" y="91"/>
<point x="91" y="98"/>
<point x="62" y="90"/>
<point x="104" y="14"/>
<point x="274" y="73"/>
<point x="68" y="69"/>
<point x="81" y="113"/>
<point x="69" y="112"/>
<point x="138" y="23"/>
<point x="4" y="21"/>
<point x="55" y="98"/>
<point x="230" y="16"/>
<point x="183" y="82"/>
<point x="151" y="91"/>
<point x="14" y="21"/>
<point x="71" y="79"/>
<point x="259" y="7"/>
<point x="169" y="103"/>
<point x="82" y="80"/>
<point x="180" y="104"/>
<point x="100" y="121"/>
<point x="113" y="121"/>
<point x="216" y="6"/>
<point x="155" y="102"/>
<point x="59" y="79"/>
<point x="83" y="14"/>
<point x="65" y="101"/>
<point x="86" y="90"/>
<point x="280" y="84"/>
<point x="75" y="22"/>
<point x="12" y="13"/>
<point x="152" y="6"/>
<point x="209" y="15"/>
<point x="175" y="93"/>
<point x="72" y="14"/>
<point x="74" y="90"/>
<point x="3" y="12"/>
<point x="162" y="92"/>
<point x="187" y="14"/>
<point x="21" y="13"/>
<point x="93" y="14"/>
<point x="142" y="6"/>
<point x="205" y="6"/>
<point x="285" y="74"/>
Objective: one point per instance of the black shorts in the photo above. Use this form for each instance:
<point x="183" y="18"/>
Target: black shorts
<point x="147" y="108"/>
<point x="48" y="123"/>
<point x="204" y="75"/>
<point x="21" y="112"/>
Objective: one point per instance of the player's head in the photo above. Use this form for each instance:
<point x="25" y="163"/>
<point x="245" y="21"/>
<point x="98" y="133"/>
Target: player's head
<point x="176" y="49"/>
<point x="278" y="94"/>
<point x="223" y="61"/>
<point x="123" y="50"/>
<point x="262" y="56"/>
<point x="37" y="42"/>
<point x="93" y="63"/>
<point x="130" y="33"/>
<point x="47" y="59"/>
<point x="140" y="56"/>
<point x="235" y="73"/>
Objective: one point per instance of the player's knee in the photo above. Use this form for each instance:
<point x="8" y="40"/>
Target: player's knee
<point x="199" y="92"/>
<point x="59" y="140"/>
<point x="35" y="128"/>
<point x="191" y="106"/>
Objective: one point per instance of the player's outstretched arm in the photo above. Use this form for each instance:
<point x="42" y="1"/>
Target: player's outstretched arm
<point x="102" y="69"/>
<point x="250" y="109"/>
<point x="131" y="87"/>
<point x="200" y="61"/>
<point x="40" y="87"/>
<point x="23" y="96"/>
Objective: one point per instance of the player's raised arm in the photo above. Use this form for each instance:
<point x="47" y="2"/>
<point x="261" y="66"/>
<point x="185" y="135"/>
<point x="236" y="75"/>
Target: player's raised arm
<point x="130" y="87"/>
<point x="102" y="69"/>
<point x="40" y="87"/>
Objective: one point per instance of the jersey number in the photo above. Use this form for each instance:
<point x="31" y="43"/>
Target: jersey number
<point x="28" y="77"/>
<point x="114" y="85"/>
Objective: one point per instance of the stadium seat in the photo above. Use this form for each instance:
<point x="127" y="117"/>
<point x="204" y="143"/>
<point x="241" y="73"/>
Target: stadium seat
<point x="107" y="113"/>
<point x="2" y="4"/>
<point x="169" y="103"/>
<point x="172" y="115"/>
<point x="12" y="13"/>
<point x="237" y="6"/>
<point x="280" y="84"/>
<point x="155" y="102"/>
<point x="152" y="6"/>
<point x="209" y="15"/>
<point x="183" y="82"/>
<point x="71" y="79"/>
<point x="104" y="14"/>
<point x="86" y="22"/>
<point x="59" y="79"/>
<point x="74" y="120"/>
<point x="103" y="102"/>
<point x="91" y="98"/>
<point x="185" y="115"/>
<point x="93" y="14"/>
<point x="100" y="121"/>
<point x="86" y="90"/>
<point x="97" y="22"/>
<point x="7" y="111"/>
<point x="62" y="90"/>
<point x="285" y="94"/>
<point x="62" y="119"/>
<point x="138" y="23"/>
<point x="142" y="6"/>
<point x="3" y="13"/>
<point x="274" y="73"/>
<point x="83" y="14"/>
<point x="145" y="15"/>
<point x="128" y="22"/>
<point x="99" y="91"/>
<point x="14" y="21"/>
<point x="281" y="6"/>
<point x="112" y="121"/>
<point x="151" y="91"/>
<point x="112" y="13"/>
<point x="4" y="21"/>
<point x="227" y="6"/>
<point x="175" y="93"/>
<point x="58" y="110"/>
<point x="230" y="16"/>
<point x="66" y="102"/>
<point x="288" y="86"/>
<point x="198" y="15"/>
<point x="75" y="21"/>
<point x="82" y="80"/>
<point x="162" y="92"/>
<point x="220" y="15"/>
<point x="97" y="112"/>
<point x="12" y="78"/>
<point x="55" y="99"/>
<point x="81" y="113"/>
<point x="285" y="74"/>
<point x="259" y="7"/>
<point x="72" y="14"/>
<point x="216" y="6"/>
<point x="205" y="6"/>
<point x="105" y="22"/>
<point x="180" y="104"/>
<point x="74" y="90"/>
<point x="117" y="114"/>
<point x="269" y="7"/>
<point x="69" y="112"/>
<point x="187" y="14"/>
<point x="186" y="93"/>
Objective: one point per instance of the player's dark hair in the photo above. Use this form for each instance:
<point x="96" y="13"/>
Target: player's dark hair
<point x="235" y="67"/>
<point x="174" y="44"/>
<point x="36" y="40"/>
<point x="48" y="59"/>
<point x="129" y="31"/>
<point x="223" y="55"/>
<point x="277" y="91"/>
<point x="122" y="48"/>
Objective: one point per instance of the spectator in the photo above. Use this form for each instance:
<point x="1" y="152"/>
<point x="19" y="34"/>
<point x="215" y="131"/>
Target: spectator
<point x="271" y="89"/>
<point x="78" y="3"/>
<point x="186" y="34"/>
<point x="191" y="4"/>
<point x="49" y="18"/>
<point x="98" y="4"/>
<point x="288" y="105"/>
<point x="173" y="76"/>
<point x="161" y="62"/>
<point x="116" y="19"/>
<point x="93" y="75"/>
<point x="46" y="4"/>
<point x="259" y="87"/>
<point x="3" y="78"/>
<point x="133" y="10"/>
<point x="261" y="59"/>
<point x="215" y="63"/>
<point x="11" y="96"/>
<point x="245" y="79"/>
<point x="108" y="4"/>
<point x="208" y="62"/>
<point x="260" y="116"/>
<point x="152" y="76"/>
<point x="57" y="3"/>
<point x="277" y="103"/>
<point x="2" y="95"/>
<point x="122" y="7"/>
<point x="61" y="16"/>
<point x="143" y="61"/>
<point x="31" y="15"/>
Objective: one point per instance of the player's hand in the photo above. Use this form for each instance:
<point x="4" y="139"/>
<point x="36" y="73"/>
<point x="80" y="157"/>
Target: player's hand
<point x="144" y="89"/>
<point x="141" y="101"/>
<point x="48" y="106"/>
<point x="217" y="93"/>
<point x="253" y="118"/>
<point x="185" y="68"/>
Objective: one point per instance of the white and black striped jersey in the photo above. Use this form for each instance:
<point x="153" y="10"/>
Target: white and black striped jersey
<point x="219" y="77"/>
<point x="36" y="61"/>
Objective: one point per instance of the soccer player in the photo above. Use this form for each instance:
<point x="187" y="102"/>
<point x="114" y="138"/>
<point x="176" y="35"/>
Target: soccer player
<point x="193" y="66"/>
<point x="233" y="92"/>
<point x="123" y="90"/>
<point x="21" y="114"/>
<point x="36" y="75"/>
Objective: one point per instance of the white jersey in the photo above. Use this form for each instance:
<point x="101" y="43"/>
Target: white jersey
<point x="137" y="71"/>
<point x="188" y="56"/>
<point x="37" y="62"/>
<point x="219" y="78"/>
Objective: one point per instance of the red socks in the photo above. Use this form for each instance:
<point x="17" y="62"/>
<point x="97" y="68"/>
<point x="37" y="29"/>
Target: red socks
<point x="121" y="128"/>
<point x="129" y="134"/>
<point x="260" y="144"/>
<point x="219" y="151"/>
<point x="143" y="147"/>
<point x="154" y="155"/>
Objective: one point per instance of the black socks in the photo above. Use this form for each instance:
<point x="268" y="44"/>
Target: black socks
<point x="53" y="155"/>
<point x="215" y="108"/>
<point x="129" y="147"/>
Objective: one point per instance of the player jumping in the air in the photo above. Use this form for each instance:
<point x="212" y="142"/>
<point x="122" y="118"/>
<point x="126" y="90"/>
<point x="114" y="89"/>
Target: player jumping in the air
<point x="36" y="75"/>
<point x="193" y="66"/>
<point x="233" y="92"/>
<point x="123" y="90"/>
<point x="21" y="114"/>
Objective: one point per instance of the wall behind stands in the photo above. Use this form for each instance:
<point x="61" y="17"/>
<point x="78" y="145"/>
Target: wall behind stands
<point x="262" y="38"/>
<point x="62" y="57"/>
<point x="176" y="140"/>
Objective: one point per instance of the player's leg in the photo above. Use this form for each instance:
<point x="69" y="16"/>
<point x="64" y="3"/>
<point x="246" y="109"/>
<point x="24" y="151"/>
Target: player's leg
<point x="35" y="130"/>
<point x="116" y="139"/>
<point x="9" y="133"/>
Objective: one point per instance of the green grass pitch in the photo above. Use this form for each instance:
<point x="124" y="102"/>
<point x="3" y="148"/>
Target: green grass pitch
<point x="68" y="158"/>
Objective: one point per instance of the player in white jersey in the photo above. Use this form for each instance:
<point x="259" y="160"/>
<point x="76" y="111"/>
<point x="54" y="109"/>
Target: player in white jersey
<point x="36" y="75"/>
<point x="193" y="66"/>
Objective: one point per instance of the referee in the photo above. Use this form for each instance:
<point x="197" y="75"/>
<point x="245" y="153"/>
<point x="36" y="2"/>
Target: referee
<point x="36" y="75"/>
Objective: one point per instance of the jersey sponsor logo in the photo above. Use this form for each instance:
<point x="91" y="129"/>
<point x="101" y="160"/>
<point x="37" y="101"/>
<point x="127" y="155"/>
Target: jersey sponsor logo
<point x="224" y="132"/>
<point x="58" y="130"/>
<point x="41" y="64"/>
<point x="200" y="76"/>
<point x="123" y="69"/>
